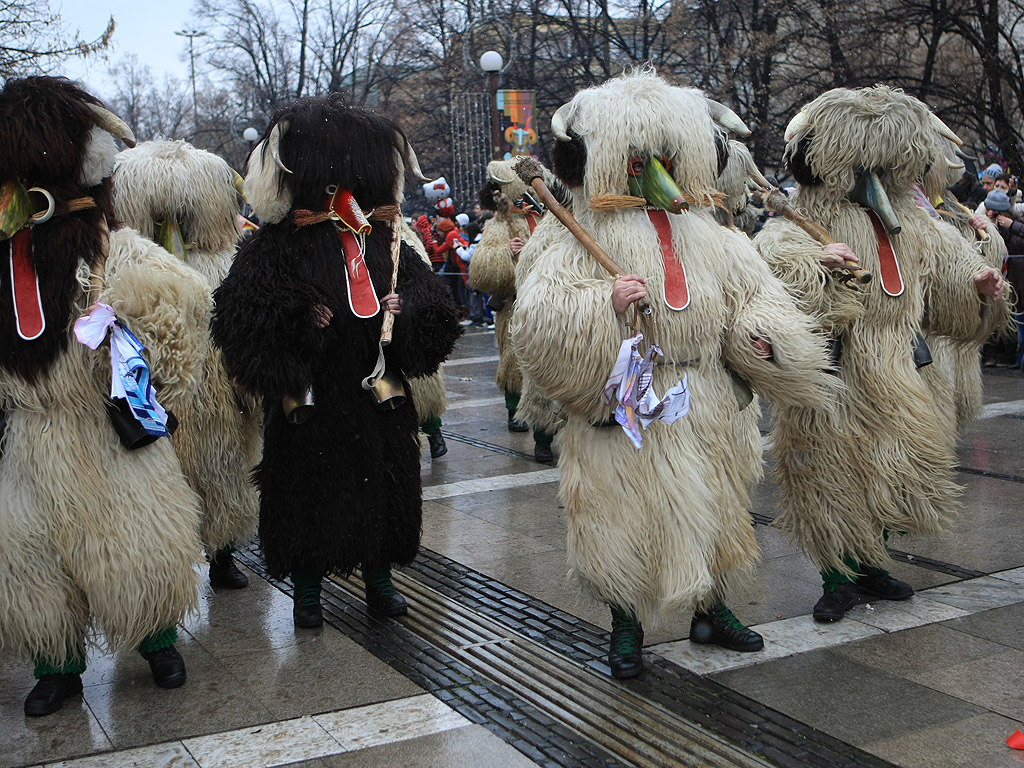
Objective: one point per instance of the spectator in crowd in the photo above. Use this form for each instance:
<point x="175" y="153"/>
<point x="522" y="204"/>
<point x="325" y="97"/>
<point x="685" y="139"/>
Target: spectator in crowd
<point x="1011" y="227"/>
<point x="477" y="299"/>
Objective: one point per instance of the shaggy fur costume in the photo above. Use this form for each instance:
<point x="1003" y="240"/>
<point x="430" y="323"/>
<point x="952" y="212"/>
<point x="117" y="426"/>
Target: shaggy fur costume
<point x="342" y="489"/>
<point x="883" y="459"/>
<point x="739" y="211"/>
<point x="493" y="268"/>
<point x="218" y="441"/>
<point x="93" y="538"/>
<point x="428" y="392"/>
<point x="666" y="526"/>
<point x="955" y="376"/>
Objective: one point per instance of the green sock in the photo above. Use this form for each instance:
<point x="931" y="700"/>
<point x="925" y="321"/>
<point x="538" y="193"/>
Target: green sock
<point x="540" y="437"/>
<point x="72" y="664"/>
<point x="431" y="426"/>
<point x="511" y="401"/>
<point x="307" y="587"/>
<point x="157" y="641"/>
<point x="378" y="579"/>
<point x="833" y="577"/>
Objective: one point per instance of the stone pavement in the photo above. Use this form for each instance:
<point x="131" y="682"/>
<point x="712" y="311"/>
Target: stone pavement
<point x="500" y="661"/>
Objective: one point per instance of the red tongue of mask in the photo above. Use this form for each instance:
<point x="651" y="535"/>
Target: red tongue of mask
<point x="677" y="292"/>
<point x="350" y="222"/>
<point x="28" y="304"/>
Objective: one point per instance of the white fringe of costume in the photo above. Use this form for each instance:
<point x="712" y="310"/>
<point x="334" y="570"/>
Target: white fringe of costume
<point x="883" y="459"/>
<point x="218" y="441"/>
<point x="666" y="526"/>
<point x="95" y="538"/>
<point x="493" y="268"/>
<point x="955" y="376"/>
<point x="428" y="392"/>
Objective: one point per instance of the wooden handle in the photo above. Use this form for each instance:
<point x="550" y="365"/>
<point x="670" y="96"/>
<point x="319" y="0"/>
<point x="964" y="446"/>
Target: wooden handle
<point x="565" y="216"/>
<point x="780" y="204"/>
<point x="387" y="326"/>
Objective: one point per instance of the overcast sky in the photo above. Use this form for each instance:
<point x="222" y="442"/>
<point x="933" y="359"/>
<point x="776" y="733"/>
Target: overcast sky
<point x="144" y="27"/>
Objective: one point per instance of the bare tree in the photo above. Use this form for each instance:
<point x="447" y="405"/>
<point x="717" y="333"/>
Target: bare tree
<point x="35" y="38"/>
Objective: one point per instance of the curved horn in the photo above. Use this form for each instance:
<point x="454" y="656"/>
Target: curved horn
<point x="796" y="125"/>
<point x="957" y="166"/>
<point x="559" y="123"/>
<point x="728" y="119"/>
<point x="274" y="143"/>
<point x="943" y="130"/>
<point x="411" y="161"/>
<point x="108" y="121"/>
<point x="239" y="183"/>
<point x="964" y="156"/>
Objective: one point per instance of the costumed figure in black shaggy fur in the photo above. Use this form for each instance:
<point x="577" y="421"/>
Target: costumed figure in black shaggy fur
<point x="300" y="316"/>
<point x="96" y="541"/>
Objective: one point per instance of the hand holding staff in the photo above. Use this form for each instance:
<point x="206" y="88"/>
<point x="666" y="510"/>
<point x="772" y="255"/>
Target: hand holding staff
<point x="532" y="173"/>
<point x="775" y="199"/>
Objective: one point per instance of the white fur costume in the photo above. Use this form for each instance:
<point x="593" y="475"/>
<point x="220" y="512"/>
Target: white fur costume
<point x="882" y="460"/>
<point x="95" y="537"/>
<point x="218" y="442"/>
<point x="663" y="527"/>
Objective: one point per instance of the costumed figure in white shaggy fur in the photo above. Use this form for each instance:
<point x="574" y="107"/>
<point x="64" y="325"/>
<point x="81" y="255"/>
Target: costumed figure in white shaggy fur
<point x="493" y="271"/>
<point x="428" y="391"/>
<point x="856" y="155"/>
<point x="664" y="526"/>
<point x="955" y="374"/>
<point x="98" y="543"/>
<point x="737" y="209"/>
<point x="186" y="199"/>
<point x="300" y="319"/>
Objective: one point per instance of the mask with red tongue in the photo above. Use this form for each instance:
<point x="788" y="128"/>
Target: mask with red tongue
<point x="353" y="227"/>
<point x="18" y="212"/>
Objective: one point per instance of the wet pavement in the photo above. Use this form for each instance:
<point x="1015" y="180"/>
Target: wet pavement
<point x="500" y="660"/>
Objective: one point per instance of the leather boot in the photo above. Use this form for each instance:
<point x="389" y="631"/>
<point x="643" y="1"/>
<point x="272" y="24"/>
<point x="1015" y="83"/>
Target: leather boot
<point x="306" y="610"/>
<point x="517" y="426"/>
<point x="382" y="598"/>
<point x="542" y="453"/>
<point x="167" y="666"/>
<point x="50" y="692"/>
<point x="626" y="645"/>
<point x="438" y="447"/>
<point x="880" y="584"/>
<point x="224" y="571"/>
<point x="835" y="601"/>
<point x="719" y="626"/>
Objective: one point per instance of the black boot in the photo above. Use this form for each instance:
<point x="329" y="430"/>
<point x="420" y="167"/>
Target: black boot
<point x="438" y="448"/>
<point x="382" y="598"/>
<point x="224" y="571"/>
<point x="542" y="453"/>
<point x="626" y="646"/>
<point x="719" y="626"/>
<point x="50" y="692"/>
<point x="167" y="666"/>
<point x="835" y="601"/>
<point x="306" y="610"/>
<point x="880" y="584"/>
<point x="517" y="426"/>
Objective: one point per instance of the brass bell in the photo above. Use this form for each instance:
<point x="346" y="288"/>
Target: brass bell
<point x="388" y="391"/>
<point x="299" y="410"/>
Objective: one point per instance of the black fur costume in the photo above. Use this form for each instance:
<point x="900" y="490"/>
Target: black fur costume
<point x="343" y="489"/>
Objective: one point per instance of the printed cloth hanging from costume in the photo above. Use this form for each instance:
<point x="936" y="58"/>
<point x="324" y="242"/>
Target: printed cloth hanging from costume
<point x="631" y="384"/>
<point x="677" y="293"/>
<point x="888" y="265"/>
<point x="129" y="369"/>
<point x="353" y="228"/>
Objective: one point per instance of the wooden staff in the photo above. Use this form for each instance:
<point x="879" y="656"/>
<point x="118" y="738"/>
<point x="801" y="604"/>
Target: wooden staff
<point x="778" y="202"/>
<point x="387" y="327"/>
<point x="532" y="174"/>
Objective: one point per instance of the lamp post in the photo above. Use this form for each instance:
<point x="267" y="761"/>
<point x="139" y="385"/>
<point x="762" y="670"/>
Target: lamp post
<point x="250" y="134"/>
<point x="491" y="63"/>
<point x="191" y="34"/>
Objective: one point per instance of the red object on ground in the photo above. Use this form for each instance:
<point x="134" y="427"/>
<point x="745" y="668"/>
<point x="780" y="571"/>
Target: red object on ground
<point x="1016" y="740"/>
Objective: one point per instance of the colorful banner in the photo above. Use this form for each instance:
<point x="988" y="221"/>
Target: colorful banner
<point x="516" y="113"/>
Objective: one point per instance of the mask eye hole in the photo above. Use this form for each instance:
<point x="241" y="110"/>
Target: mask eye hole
<point x="636" y="166"/>
<point x="667" y="162"/>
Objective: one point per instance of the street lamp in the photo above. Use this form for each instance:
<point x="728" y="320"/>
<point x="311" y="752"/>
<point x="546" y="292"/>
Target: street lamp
<point x="491" y="63"/>
<point x="191" y="34"/>
<point x="250" y="134"/>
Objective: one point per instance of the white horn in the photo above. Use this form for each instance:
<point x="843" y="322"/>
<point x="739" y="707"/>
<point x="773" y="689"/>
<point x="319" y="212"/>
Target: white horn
<point x="559" y="126"/>
<point x="274" y="143"/>
<point x="796" y="125"/>
<point x="728" y="119"/>
<point x="108" y="121"/>
<point x="943" y="130"/>
<point x="411" y="161"/>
